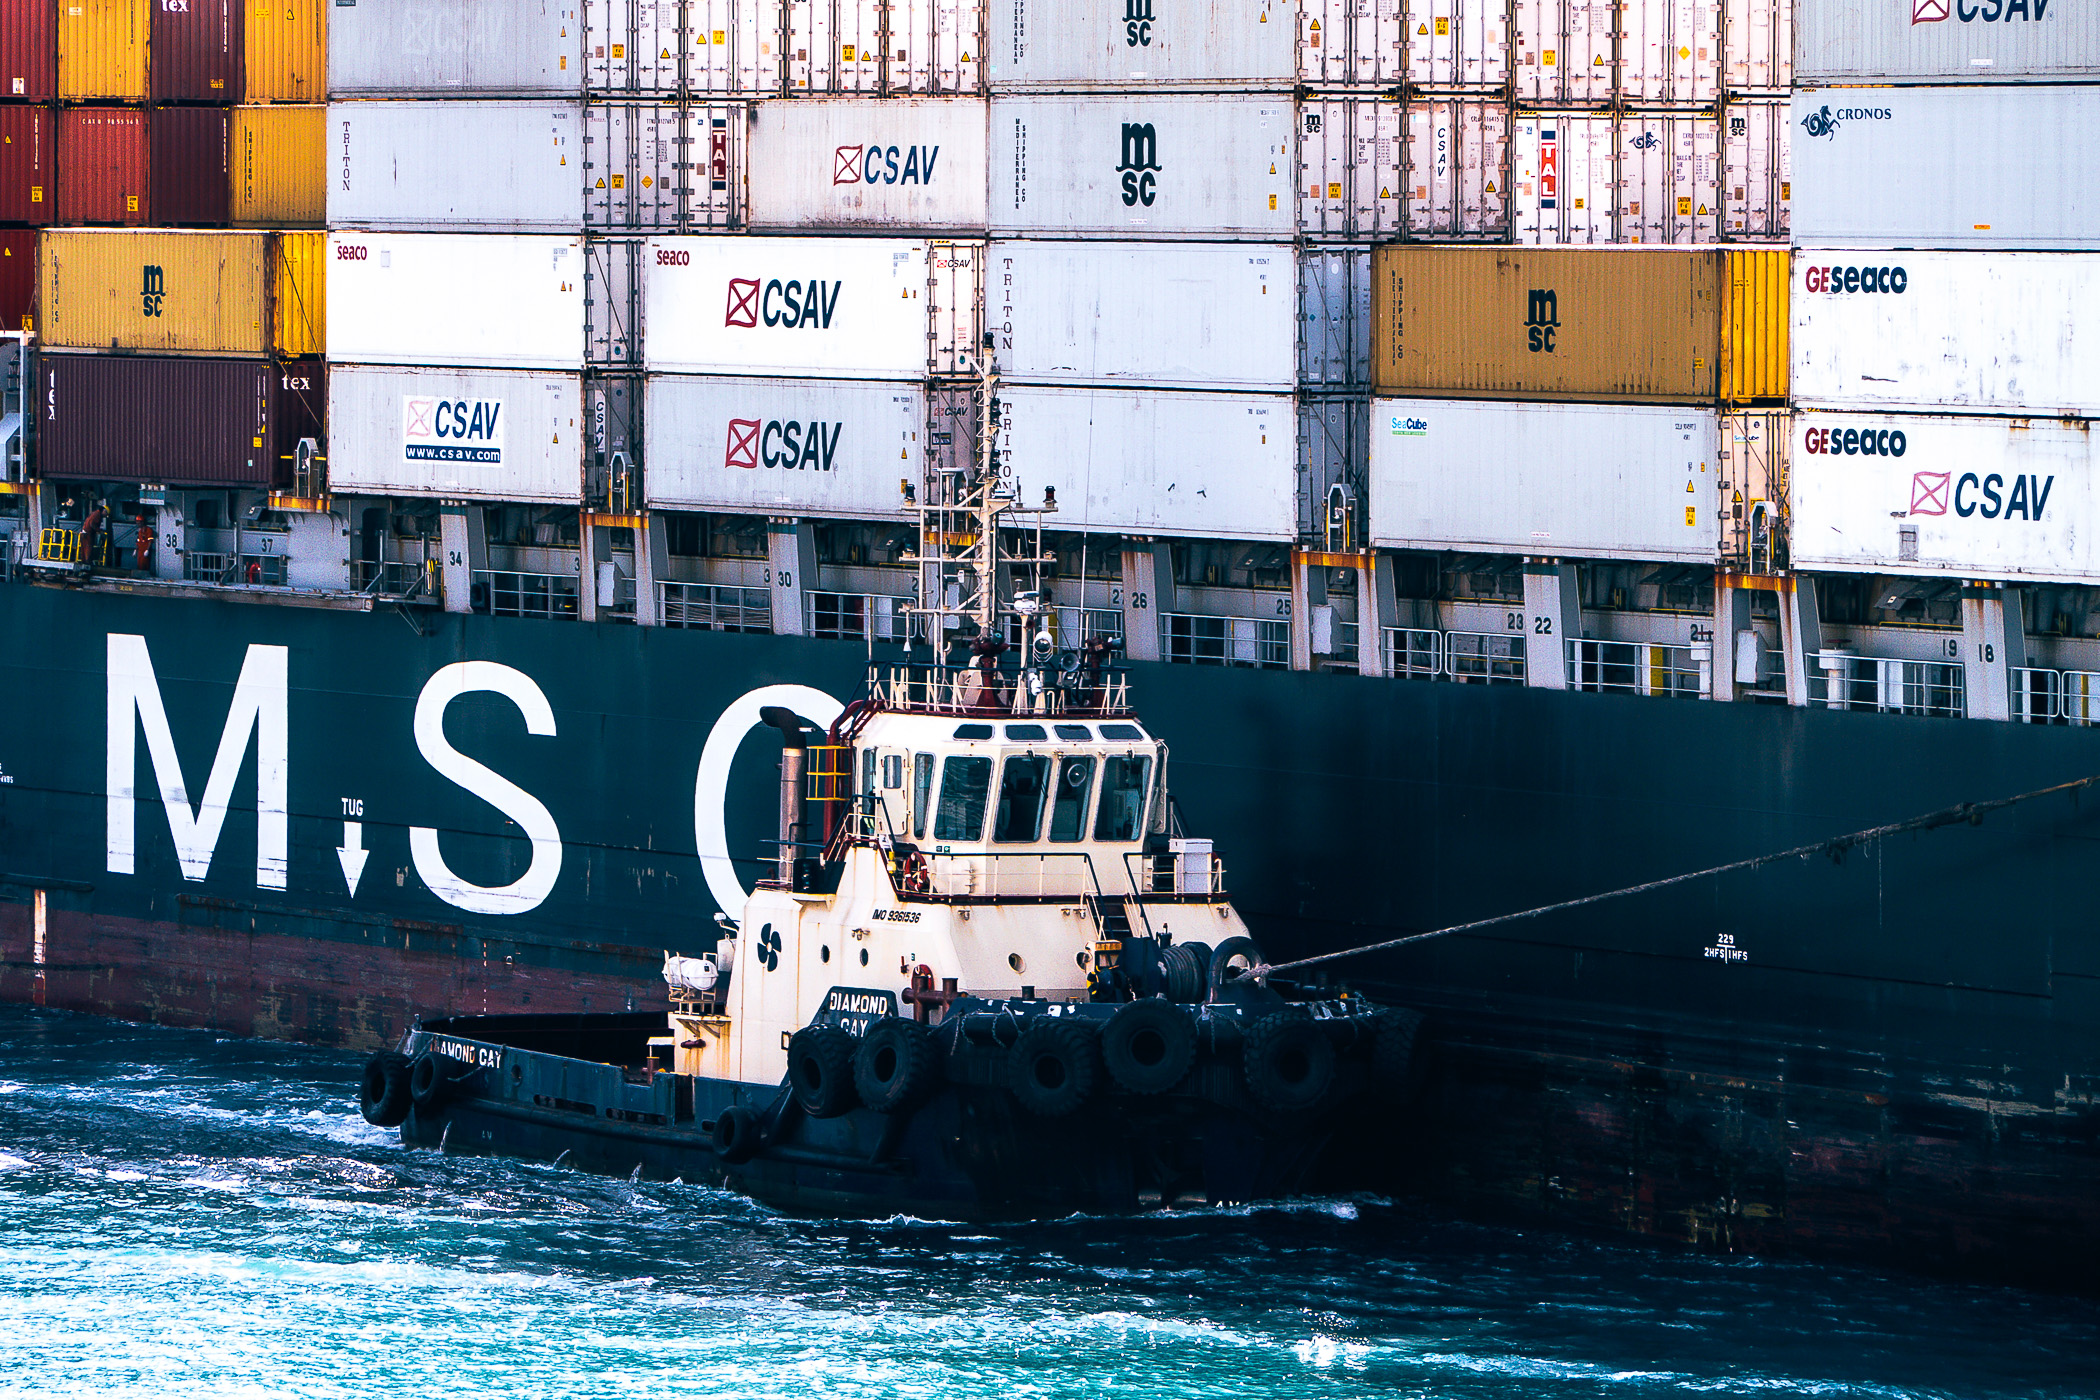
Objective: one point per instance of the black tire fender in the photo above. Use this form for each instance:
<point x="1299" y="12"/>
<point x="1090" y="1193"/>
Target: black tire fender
<point x="383" y="1097"/>
<point x="1056" y="1065"/>
<point x="1220" y="971"/>
<point x="896" y="1066"/>
<point x="1148" y="1046"/>
<point x="737" y="1135"/>
<point x="1288" y="1062"/>
<point x="431" y="1079"/>
<point x="820" y="1070"/>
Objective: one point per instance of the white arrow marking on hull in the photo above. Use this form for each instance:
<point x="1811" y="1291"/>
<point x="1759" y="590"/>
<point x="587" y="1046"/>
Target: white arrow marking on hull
<point x="352" y="854"/>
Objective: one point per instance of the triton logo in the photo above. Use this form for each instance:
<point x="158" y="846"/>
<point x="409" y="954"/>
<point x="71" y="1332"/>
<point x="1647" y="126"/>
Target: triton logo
<point x="884" y="165"/>
<point x="786" y="443"/>
<point x="1542" y="319"/>
<point x="1549" y="167"/>
<point x="789" y="304"/>
<point x="153" y="289"/>
<point x="1140" y="165"/>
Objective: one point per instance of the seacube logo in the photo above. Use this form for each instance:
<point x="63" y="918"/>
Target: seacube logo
<point x="1825" y="121"/>
<point x="1936" y="11"/>
<point x="884" y="165"/>
<point x="788" y="443"/>
<point x="1140" y="166"/>
<point x="776" y="303"/>
<point x="1408" y="427"/>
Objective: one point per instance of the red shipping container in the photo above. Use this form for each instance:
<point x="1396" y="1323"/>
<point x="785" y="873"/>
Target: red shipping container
<point x="189" y="176"/>
<point x="103" y="164"/>
<point x="165" y="419"/>
<point x="194" y="52"/>
<point x="17" y="276"/>
<point x="28" y="165"/>
<point x="28" y="51"/>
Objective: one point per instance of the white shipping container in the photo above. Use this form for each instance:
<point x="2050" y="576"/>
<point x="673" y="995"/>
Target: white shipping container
<point x="784" y="446"/>
<point x="1604" y="177"/>
<point x="894" y="47"/>
<point x="501" y="435"/>
<point x="1448" y="43"/>
<point x="1758" y="46"/>
<point x="1133" y="44"/>
<point x="662" y="167"/>
<point x="1961" y="332"/>
<point x="1670" y="51"/>
<point x="1158" y="314"/>
<point x="612" y="301"/>
<point x="1600" y="481"/>
<point x="1147" y="166"/>
<point x="1948" y="41"/>
<point x="1576" y="52"/>
<point x="849" y="308"/>
<point x="510" y="166"/>
<point x="1213" y="466"/>
<point x="1757" y="173"/>
<point x="431" y="48"/>
<point x="1982" y="498"/>
<point x="1334" y="319"/>
<point x="1566" y="51"/>
<point x="711" y="48"/>
<point x="847" y="163"/>
<point x="1946" y="167"/>
<point x="1433" y="168"/>
<point x="1359" y="42"/>
<point x="512" y="301"/>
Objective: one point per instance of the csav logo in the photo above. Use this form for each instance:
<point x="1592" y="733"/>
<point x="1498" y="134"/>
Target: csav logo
<point x="786" y="443"/>
<point x="1542" y="319"/>
<point x="452" y="430"/>
<point x="884" y="165"/>
<point x="1137" y="24"/>
<point x="1986" y="496"/>
<point x="790" y="304"/>
<point x="1549" y="167"/>
<point x="153" y="290"/>
<point x="1935" y="11"/>
<point x="1140" y="166"/>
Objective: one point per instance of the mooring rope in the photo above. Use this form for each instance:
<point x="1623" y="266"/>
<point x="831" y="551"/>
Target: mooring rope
<point x="1971" y="813"/>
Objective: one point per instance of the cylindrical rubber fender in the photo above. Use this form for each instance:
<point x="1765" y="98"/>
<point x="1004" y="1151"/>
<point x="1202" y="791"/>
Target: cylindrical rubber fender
<point x="820" y="1070"/>
<point x="897" y="1065"/>
<point x="736" y="1135"/>
<point x="383" y="1097"/>
<point x="991" y="1027"/>
<point x="1288" y="1061"/>
<point x="1149" y="1045"/>
<point x="1393" y="1060"/>
<point x="1187" y="966"/>
<point x="1221" y="970"/>
<point x="1056" y="1065"/>
<point x="430" y="1080"/>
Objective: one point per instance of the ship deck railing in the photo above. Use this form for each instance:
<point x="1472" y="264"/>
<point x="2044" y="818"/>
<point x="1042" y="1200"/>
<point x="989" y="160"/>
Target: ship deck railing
<point x="929" y="688"/>
<point x="716" y="607"/>
<point x="1201" y="639"/>
<point x="515" y="593"/>
<point x="1844" y="680"/>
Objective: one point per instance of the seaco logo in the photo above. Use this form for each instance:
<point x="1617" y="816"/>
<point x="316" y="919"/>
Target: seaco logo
<point x="777" y="303"/>
<point x="1140" y="166"/>
<point x="1549" y="167"/>
<point x="1935" y="11"/>
<point x="1137" y="24"/>
<point x="1856" y="279"/>
<point x="782" y="442"/>
<point x="452" y="430"/>
<point x="1825" y="122"/>
<point x="884" y="165"/>
<point x="1856" y="442"/>
<point x="1542" y="319"/>
<point x="1981" y="495"/>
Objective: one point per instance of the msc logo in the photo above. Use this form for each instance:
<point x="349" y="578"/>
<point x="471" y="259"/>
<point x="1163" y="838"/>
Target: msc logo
<point x="1140" y="165"/>
<point x="1542" y="319"/>
<point x="1985" y="496"/>
<point x="1935" y="11"/>
<point x="1824" y="122"/>
<point x="152" y="290"/>
<point x="1549" y="167"/>
<point x="878" y="165"/>
<point x="787" y="443"/>
<point x="1137" y="24"/>
<point x="792" y="303"/>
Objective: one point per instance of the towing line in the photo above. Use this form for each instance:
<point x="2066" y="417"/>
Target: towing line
<point x="1836" y="847"/>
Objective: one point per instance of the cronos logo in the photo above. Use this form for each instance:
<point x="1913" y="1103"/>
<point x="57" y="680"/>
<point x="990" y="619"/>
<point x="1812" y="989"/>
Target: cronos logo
<point x="790" y="443"/>
<point x="777" y="303"/>
<point x="1935" y="11"/>
<point x="1825" y="121"/>
<point x="884" y="165"/>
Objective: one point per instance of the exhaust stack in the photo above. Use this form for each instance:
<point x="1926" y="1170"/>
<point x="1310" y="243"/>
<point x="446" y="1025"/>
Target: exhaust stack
<point x="794" y="757"/>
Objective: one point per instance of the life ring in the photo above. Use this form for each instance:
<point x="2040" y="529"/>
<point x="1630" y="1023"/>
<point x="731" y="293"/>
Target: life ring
<point x="1055" y="1065"/>
<point x="430" y="1080"/>
<point x="736" y="1135"/>
<point x="914" y="875"/>
<point x="383" y="1098"/>
<point x="1288" y="1062"/>
<point x="1148" y="1046"/>
<point x="897" y="1066"/>
<point x="820" y="1070"/>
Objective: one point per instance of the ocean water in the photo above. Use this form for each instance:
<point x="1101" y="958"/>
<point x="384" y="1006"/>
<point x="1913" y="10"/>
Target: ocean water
<point x="184" y="1215"/>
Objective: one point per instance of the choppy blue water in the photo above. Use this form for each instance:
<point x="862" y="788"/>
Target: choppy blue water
<point x="184" y="1215"/>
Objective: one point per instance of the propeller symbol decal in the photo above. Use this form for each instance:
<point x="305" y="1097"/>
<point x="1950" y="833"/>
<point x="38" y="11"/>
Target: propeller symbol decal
<point x="769" y="947"/>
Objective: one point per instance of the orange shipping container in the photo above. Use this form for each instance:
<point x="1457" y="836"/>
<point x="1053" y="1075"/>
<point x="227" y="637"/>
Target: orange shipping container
<point x="299" y="293"/>
<point x="287" y="49"/>
<point x="164" y="292"/>
<point x="280" y="174"/>
<point x="102" y="50"/>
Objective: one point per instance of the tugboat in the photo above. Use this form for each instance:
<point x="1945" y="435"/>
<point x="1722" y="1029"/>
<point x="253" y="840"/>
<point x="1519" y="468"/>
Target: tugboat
<point x="988" y="979"/>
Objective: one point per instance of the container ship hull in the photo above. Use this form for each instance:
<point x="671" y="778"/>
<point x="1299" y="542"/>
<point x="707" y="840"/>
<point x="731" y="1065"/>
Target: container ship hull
<point x="315" y="824"/>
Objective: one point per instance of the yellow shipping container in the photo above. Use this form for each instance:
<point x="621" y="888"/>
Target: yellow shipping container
<point x="279" y="174"/>
<point x="171" y="293"/>
<point x="102" y="49"/>
<point x="1754" y="325"/>
<point x="300" y="277"/>
<point x="287" y="50"/>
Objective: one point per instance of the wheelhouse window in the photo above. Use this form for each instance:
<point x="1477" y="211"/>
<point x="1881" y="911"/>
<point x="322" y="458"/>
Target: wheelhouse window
<point x="921" y="793"/>
<point x="966" y="784"/>
<point x="1021" y="797"/>
<point x="1125" y="782"/>
<point x="1075" y="784"/>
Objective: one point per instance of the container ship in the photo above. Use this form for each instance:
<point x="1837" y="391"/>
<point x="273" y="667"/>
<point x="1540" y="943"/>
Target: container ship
<point x="435" y="431"/>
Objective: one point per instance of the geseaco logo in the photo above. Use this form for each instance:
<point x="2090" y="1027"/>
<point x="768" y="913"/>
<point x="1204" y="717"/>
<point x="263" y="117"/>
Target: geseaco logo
<point x="1409" y="427"/>
<point x="1935" y="11"/>
<point x="1893" y="280"/>
<point x="884" y="165"/>
<point x="789" y="443"/>
<point x="452" y="430"/>
<point x="1825" y="121"/>
<point x="1140" y="165"/>
<point x="777" y="303"/>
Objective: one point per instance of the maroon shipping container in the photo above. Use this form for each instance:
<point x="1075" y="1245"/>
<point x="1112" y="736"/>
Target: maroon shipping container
<point x="175" y="420"/>
<point x="194" y="51"/>
<point x="28" y="51"/>
<point x="17" y="276"/>
<point x="28" y="165"/>
<point x="189" y="174"/>
<point x="103" y="164"/>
